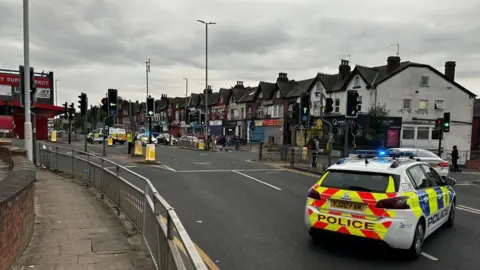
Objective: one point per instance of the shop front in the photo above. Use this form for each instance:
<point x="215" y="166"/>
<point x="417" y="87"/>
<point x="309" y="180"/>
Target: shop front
<point x="369" y="132"/>
<point x="273" y="131"/>
<point x="41" y="114"/>
<point x="230" y="128"/>
<point x="175" y="128"/>
<point x="216" y="127"/>
<point x="197" y="128"/>
<point x="257" y="134"/>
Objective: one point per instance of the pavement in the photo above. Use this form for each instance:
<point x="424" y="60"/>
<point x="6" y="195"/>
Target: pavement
<point x="243" y="214"/>
<point x="76" y="230"/>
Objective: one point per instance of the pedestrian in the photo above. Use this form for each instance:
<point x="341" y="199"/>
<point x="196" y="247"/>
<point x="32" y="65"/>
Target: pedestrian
<point x="315" y="150"/>
<point x="455" y="159"/>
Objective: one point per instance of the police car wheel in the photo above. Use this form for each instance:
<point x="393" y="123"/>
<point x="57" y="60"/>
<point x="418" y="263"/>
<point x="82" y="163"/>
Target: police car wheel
<point x="417" y="244"/>
<point x="451" y="218"/>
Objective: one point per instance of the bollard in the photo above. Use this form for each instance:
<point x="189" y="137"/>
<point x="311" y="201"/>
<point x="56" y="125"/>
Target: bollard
<point x="150" y="152"/>
<point x="260" y="151"/>
<point x="53" y="137"/>
<point x="110" y="141"/>
<point x="138" y="148"/>
<point x="292" y="162"/>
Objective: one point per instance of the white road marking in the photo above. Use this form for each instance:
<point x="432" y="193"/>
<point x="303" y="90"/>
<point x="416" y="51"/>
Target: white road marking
<point x="255" y="179"/>
<point x="426" y="255"/>
<point x="468" y="209"/>
<point x="464" y="184"/>
<point x="165" y="167"/>
<point x="109" y="168"/>
<point x="239" y="170"/>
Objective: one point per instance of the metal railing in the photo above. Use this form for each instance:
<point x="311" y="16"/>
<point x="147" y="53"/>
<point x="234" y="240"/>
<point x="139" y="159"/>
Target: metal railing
<point x="134" y="196"/>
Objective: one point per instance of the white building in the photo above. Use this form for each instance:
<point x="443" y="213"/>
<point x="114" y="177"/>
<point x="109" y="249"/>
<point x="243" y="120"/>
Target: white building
<point x="419" y="94"/>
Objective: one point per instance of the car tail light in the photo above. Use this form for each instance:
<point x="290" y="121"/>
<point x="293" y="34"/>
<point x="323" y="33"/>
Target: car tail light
<point x="313" y="194"/>
<point x="443" y="164"/>
<point x="394" y="203"/>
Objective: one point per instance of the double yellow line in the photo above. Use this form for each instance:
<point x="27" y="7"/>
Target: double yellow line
<point x="209" y="262"/>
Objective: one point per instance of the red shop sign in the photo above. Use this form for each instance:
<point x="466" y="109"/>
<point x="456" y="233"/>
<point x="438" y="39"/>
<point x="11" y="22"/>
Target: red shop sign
<point x="271" y="122"/>
<point x="14" y="80"/>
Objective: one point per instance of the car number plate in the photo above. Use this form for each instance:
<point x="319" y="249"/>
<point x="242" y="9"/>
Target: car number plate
<point x="347" y="205"/>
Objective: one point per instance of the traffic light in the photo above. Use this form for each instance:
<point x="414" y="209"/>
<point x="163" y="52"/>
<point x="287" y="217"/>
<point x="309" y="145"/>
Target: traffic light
<point x="295" y="113"/>
<point x="150" y="106"/>
<point x="112" y="102"/>
<point x="202" y="118"/>
<point x="94" y="113"/>
<point x="352" y="104"/>
<point x="304" y="108"/>
<point x="33" y="86"/>
<point x="71" y="111"/>
<point x="195" y="117"/>
<point x="446" y="122"/>
<point x="65" y="110"/>
<point x="438" y="124"/>
<point x="187" y="116"/>
<point x="328" y="105"/>
<point x="82" y="104"/>
<point x="31" y="91"/>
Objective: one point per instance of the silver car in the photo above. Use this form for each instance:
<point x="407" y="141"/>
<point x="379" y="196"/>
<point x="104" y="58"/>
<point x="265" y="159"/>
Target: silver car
<point x="440" y="165"/>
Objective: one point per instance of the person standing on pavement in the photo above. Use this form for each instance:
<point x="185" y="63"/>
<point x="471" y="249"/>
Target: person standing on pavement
<point x="315" y="150"/>
<point x="129" y="141"/>
<point x="455" y="159"/>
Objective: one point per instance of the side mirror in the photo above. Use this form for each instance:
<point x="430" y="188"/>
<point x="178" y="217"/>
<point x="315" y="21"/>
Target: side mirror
<point x="449" y="181"/>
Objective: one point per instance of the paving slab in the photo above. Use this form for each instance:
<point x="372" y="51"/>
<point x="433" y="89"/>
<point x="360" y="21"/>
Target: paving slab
<point x="75" y="229"/>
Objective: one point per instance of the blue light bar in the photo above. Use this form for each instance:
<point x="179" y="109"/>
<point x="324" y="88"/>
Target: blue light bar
<point x="382" y="153"/>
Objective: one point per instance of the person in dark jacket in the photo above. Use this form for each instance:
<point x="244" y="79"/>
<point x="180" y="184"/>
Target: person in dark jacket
<point x="455" y="159"/>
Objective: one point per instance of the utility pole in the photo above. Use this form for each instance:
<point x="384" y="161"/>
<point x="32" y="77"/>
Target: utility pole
<point x="186" y="104"/>
<point x="206" y="73"/>
<point x="26" y="76"/>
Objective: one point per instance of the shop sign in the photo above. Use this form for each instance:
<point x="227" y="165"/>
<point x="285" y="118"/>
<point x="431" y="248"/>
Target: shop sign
<point x="14" y="80"/>
<point x="258" y="123"/>
<point x="272" y="122"/>
<point x="215" y="122"/>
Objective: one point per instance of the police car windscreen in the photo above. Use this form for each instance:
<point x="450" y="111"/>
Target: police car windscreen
<point x="359" y="181"/>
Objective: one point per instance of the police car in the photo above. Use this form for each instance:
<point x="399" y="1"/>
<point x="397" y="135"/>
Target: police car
<point x="386" y="197"/>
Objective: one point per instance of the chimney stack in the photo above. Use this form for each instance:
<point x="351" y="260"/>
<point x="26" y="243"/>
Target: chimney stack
<point x="393" y="62"/>
<point x="282" y="77"/>
<point x="344" y="69"/>
<point x="239" y="84"/>
<point x="450" y="70"/>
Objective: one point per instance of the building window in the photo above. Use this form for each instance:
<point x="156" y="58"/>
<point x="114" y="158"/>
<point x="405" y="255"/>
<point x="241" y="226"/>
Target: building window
<point x="408" y="133"/>
<point x="232" y="114"/>
<point x="359" y="106"/>
<point x="423" y="133"/>
<point x="243" y="113"/>
<point x="278" y="94"/>
<point x="423" y="104"/>
<point x="280" y="110"/>
<point x="439" y="104"/>
<point x="407" y="103"/>
<point x="356" y="82"/>
<point x="424" y="81"/>
<point x="260" y="112"/>
<point x="317" y="108"/>
<point x="337" y="105"/>
<point x="260" y="96"/>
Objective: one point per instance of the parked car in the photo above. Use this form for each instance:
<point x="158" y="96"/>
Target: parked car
<point x="144" y="139"/>
<point x="440" y="165"/>
<point x="164" y="138"/>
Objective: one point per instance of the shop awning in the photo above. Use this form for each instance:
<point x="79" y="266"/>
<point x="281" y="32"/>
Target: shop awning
<point x="43" y="106"/>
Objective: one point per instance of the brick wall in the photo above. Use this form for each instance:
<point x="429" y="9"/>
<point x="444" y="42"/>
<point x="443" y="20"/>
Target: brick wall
<point x="17" y="217"/>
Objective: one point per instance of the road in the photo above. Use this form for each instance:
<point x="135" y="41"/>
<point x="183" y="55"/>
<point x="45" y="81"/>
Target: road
<point x="247" y="215"/>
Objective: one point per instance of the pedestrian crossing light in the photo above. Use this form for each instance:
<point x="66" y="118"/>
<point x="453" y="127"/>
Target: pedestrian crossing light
<point x="304" y="108"/>
<point x="150" y="106"/>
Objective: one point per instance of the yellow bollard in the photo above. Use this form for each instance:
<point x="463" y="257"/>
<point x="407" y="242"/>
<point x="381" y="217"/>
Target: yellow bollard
<point x="110" y="141"/>
<point x="304" y="153"/>
<point x="150" y="152"/>
<point x="201" y="145"/>
<point x="138" y="148"/>
<point x="54" y="136"/>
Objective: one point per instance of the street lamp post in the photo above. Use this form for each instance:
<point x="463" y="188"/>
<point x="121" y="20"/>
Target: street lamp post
<point x="147" y="65"/>
<point x="206" y="73"/>
<point x="186" y="104"/>
<point x="56" y="92"/>
<point x="26" y="64"/>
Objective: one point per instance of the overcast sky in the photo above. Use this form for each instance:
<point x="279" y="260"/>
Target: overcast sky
<point x="93" y="45"/>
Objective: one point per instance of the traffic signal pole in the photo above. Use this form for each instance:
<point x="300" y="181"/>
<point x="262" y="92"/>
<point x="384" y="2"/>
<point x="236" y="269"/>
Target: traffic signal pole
<point x="440" y="138"/>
